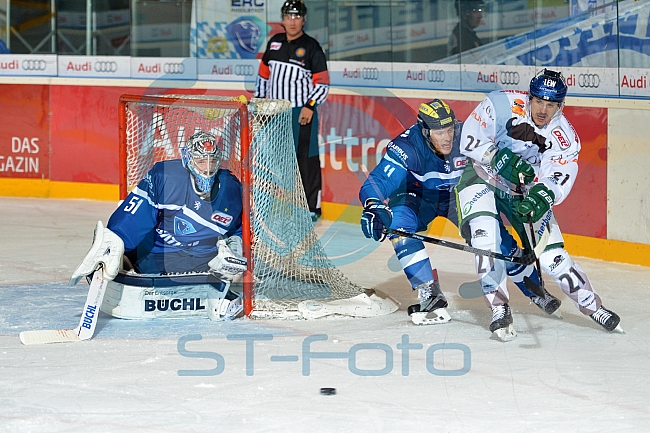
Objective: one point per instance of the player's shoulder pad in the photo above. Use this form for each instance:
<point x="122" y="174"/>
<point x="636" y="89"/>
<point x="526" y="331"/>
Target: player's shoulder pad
<point x="227" y="178"/>
<point x="169" y="163"/>
<point x="564" y="136"/>
<point x="402" y="146"/>
<point x="458" y="128"/>
<point x="170" y="168"/>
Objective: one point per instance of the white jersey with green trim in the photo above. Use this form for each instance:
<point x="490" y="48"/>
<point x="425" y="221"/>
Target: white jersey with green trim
<point x="503" y="120"/>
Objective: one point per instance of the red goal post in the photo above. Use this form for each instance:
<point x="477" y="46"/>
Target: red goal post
<point x="289" y="274"/>
<point x="146" y="136"/>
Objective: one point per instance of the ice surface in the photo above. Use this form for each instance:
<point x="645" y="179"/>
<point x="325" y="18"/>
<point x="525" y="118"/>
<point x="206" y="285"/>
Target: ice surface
<point x="265" y="376"/>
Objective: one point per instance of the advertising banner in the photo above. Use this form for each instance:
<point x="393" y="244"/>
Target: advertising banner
<point x="25" y="132"/>
<point x="580" y="81"/>
<point x="486" y="78"/>
<point x="634" y="82"/>
<point x="232" y="29"/>
<point x="426" y="76"/>
<point x="32" y="65"/>
<point x="360" y="74"/>
<point x="591" y="81"/>
<point x="95" y="66"/>
<point x="172" y="68"/>
<point x="238" y="70"/>
<point x="356" y="130"/>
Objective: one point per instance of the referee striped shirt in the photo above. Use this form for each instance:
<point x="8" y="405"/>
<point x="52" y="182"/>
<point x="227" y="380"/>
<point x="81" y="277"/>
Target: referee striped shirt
<point x="294" y="70"/>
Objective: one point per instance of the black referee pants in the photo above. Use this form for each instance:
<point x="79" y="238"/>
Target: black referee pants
<point x="306" y="139"/>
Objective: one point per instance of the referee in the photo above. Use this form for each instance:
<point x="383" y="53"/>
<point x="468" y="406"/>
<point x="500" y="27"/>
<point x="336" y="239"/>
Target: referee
<point x="294" y="68"/>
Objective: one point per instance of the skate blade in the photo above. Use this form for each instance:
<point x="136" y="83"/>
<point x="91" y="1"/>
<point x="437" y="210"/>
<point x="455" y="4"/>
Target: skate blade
<point x="619" y="329"/>
<point x="505" y="334"/>
<point x="557" y="314"/>
<point x="431" y="318"/>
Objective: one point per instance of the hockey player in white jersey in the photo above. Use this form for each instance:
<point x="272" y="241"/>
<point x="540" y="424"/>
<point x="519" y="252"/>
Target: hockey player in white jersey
<point x="183" y="217"/>
<point x="524" y="161"/>
<point x="411" y="186"/>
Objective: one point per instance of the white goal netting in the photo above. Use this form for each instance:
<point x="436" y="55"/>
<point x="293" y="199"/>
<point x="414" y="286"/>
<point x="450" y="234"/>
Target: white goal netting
<point x="291" y="271"/>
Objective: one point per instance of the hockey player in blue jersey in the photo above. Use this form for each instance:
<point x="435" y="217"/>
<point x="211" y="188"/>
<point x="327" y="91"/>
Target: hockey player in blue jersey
<point x="184" y="216"/>
<point x="172" y="220"/>
<point x="411" y="186"/>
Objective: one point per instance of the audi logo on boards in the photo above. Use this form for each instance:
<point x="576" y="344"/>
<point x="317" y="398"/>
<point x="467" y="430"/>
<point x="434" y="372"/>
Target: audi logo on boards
<point x="509" y="77"/>
<point x="435" y="76"/>
<point x="246" y="70"/>
<point x="370" y="74"/>
<point x="173" y="68"/>
<point x="34" y="65"/>
<point x="589" y="80"/>
<point x="107" y="67"/>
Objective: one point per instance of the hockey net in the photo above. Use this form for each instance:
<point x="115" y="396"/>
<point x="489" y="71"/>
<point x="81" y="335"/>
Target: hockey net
<point x="290" y="275"/>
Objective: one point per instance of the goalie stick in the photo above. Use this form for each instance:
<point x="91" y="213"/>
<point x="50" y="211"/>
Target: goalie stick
<point x="87" y="323"/>
<point x="526" y="259"/>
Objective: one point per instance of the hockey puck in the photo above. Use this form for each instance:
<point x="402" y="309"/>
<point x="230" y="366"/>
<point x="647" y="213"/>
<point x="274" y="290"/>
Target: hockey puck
<point x="328" y="391"/>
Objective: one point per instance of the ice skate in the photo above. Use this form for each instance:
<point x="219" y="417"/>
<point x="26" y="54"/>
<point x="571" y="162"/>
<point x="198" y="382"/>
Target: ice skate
<point x="501" y="325"/>
<point x="548" y="304"/>
<point x="432" y="307"/>
<point x="607" y="319"/>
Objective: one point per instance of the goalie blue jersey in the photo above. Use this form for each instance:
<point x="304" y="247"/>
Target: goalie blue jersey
<point x="164" y="214"/>
<point x="411" y="170"/>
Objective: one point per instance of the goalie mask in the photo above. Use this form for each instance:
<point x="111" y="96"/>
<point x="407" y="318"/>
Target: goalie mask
<point x="202" y="156"/>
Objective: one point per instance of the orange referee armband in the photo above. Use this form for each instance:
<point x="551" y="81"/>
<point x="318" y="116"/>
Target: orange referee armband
<point x="311" y="104"/>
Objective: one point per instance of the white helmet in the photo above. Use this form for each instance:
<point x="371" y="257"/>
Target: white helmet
<point x="202" y="157"/>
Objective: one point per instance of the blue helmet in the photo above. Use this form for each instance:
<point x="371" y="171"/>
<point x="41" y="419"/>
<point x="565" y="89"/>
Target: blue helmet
<point x="201" y="156"/>
<point x="549" y="85"/>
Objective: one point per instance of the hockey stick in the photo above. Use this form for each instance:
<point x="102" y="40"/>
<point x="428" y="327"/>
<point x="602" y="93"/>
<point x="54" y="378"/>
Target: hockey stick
<point x="86" y="327"/>
<point x="530" y="285"/>
<point x="526" y="259"/>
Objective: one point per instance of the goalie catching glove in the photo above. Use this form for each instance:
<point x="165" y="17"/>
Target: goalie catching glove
<point x="107" y="250"/>
<point x="229" y="261"/>
<point x="374" y="218"/>
<point x="538" y="201"/>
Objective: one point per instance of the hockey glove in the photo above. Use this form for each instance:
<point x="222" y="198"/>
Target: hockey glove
<point x="537" y="203"/>
<point x="107" y="250"/>
<point x="235" y="245"/>
<point x="227" y="264"/>
<point x="509" y="166"/>
<point x="374" y="218"/>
